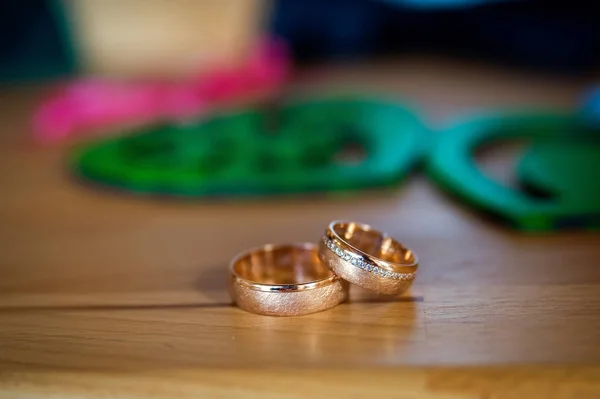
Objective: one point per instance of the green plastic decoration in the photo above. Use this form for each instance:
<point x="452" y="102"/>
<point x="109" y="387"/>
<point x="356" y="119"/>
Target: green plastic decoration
<point x="323" y="145"/>
<point x="561" y="169"/>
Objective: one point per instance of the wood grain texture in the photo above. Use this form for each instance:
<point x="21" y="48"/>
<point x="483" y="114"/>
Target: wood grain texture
<point x="406" y="383"/>
<point x="104" y="295"/>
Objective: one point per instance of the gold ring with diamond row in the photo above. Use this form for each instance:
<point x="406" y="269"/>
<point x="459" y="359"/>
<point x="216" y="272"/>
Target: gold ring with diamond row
<point x="368" y="258"/>
<point x="284" y="280"/>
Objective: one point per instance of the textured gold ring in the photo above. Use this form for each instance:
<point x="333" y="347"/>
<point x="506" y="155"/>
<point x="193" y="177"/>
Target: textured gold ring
<point x="368" y="258"/>
<point x="284" y="280"/>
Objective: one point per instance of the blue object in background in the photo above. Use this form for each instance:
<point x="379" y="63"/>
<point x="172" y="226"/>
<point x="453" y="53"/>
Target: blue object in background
<point x="439" y="4"/>
<point x="590" y="109"/>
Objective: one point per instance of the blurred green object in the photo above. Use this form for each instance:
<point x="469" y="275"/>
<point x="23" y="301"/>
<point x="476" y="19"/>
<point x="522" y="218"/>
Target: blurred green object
<point x="322" y="145"/>
<point x="559" y="171"/>
<point x="35" y="41"/>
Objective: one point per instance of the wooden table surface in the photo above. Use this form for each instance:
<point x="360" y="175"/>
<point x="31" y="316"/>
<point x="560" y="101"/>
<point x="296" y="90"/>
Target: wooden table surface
<point x="104" y="295"/>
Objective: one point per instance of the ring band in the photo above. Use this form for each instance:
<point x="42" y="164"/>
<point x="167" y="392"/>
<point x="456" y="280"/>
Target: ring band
<point x="284" y="280"/>
<point x="368" y="258"/>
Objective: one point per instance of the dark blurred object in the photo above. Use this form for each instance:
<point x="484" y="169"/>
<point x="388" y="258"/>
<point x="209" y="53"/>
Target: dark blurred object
<point x="539" y="34"/>
<point x="33" y="40"/>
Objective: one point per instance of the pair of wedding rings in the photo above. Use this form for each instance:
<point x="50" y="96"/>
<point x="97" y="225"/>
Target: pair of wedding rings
<point x="302" y="278"/>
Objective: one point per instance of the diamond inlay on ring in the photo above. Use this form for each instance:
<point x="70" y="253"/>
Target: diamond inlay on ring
<point x="359" y="262"/>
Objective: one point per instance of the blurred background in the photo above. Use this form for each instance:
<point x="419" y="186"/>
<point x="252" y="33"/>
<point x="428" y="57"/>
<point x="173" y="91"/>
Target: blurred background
<point x="492" y="101"/>
<point x="42" y="39"/>
<point x="144" y="143"/>
<point x="160" y="77"/>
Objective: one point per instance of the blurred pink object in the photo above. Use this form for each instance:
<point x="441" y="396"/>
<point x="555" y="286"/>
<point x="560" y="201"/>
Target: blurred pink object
<point x="89" y="103"/>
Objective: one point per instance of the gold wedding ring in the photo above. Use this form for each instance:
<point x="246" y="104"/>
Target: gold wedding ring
<point x="284" y="280"/>
<point x="368" y="258"/>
